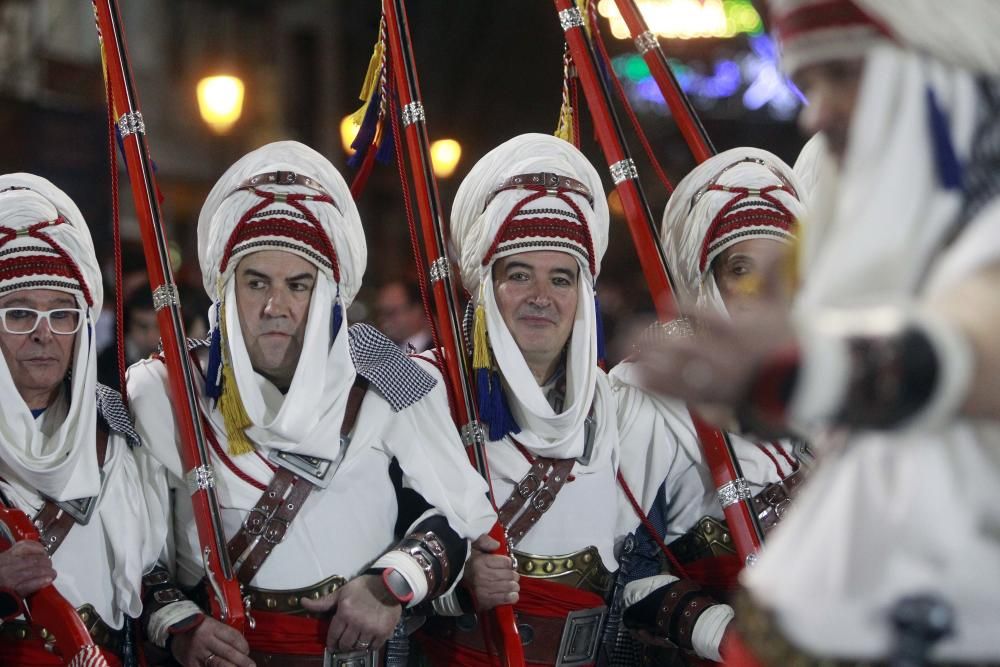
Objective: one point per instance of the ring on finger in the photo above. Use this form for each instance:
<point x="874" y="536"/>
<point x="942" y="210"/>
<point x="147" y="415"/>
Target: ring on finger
<point x="210" y="659"/>
<point x="362" y="644"/>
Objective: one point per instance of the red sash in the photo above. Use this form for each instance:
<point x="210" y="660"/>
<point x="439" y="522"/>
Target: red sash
<point x="718" y="575"/>
<point x="537" y="598"/>
<point x="288" y="634"/>
<point x="32" y="653"/>
<point x="736" y="654"/>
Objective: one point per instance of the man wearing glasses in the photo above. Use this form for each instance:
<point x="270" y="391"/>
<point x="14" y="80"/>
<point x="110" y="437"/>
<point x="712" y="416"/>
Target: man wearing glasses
<point x="65" y="441"/>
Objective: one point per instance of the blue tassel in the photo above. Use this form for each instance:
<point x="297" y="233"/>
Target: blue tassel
<point x="366" y="133"/>
<point x="602" y="351"/>
<point x="213" y="376"/>
<point x="493" y="407"/>
<point x="386" y="148"/>
<point x="338" y="319"/>
<point x="948" y="167"/>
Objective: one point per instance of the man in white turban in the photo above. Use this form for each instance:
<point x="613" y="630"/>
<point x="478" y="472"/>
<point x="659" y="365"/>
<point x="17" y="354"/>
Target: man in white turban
<point x="727" y="234"/>
<point x="893" y="359"/>
<point x="304" y="413"/>
<point x="530" y="224"/>
<point x="65" y="441"/>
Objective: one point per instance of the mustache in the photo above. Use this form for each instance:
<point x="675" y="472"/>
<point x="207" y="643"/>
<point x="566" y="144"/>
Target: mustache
<point x="531" y="310"/>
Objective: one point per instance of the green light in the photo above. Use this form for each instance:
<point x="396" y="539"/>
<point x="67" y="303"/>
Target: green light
<point x="636" y="68"/>
<point x="741" y="17"/>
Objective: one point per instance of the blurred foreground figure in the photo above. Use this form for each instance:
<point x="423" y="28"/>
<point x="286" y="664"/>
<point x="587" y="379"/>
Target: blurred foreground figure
<point x="892" y="361"/>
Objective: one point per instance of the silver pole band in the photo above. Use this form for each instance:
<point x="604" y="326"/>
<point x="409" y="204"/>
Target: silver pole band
<point x="570" y="18"/>
<point x="200" y="478"/>
<point x="646" y="42"/>
<point x="131" y="123"/>
<point x="165" y="295"/>
<point x="439" y="269"/>
<point x="623" y="170"/>
<point x="733" y="492"/>
<point x="473" y="434"/>
<point x="413" y="112"/>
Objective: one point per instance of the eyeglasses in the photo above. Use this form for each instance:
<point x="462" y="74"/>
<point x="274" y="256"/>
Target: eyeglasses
<point x="21" y="320"/>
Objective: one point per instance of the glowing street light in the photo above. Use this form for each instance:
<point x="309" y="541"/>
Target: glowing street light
<point x="445" y="154"/>
<point x="348" y="130"/>
<point x="220" y="101"/>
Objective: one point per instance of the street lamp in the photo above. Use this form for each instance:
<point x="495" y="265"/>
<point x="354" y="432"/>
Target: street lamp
<point x="445" y="154"/>
<point x="220" y="101"/>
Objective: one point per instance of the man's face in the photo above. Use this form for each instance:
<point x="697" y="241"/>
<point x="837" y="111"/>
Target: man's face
<point x="537" y="296"/>
<point x="143" y="333"/>
<point x="398" y="317"/>
<point x="38" y="361"/>
<point x="751" y="273"/>
<point x="273" y="291"/>
<point x="832" y="91"/>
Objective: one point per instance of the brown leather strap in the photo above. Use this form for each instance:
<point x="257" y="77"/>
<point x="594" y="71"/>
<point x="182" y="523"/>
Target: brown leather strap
<point x="542" y="179"/>
<point x="535" y="494"/>
<point x="52" y="522"/>
<point x="269" y="520"/>
<point x="683" y="603"/>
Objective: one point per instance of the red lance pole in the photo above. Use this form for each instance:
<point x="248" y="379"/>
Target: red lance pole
<point x="46" y="607"/>
<point x="224" y="590"/>
<point x="680" y="106"/>
<point x="446" y="302"/>
<point x="733" y="491"/>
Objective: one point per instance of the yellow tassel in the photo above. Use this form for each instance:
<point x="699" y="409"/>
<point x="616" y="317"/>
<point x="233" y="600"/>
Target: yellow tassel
<point x="368" y="87"/>
<point x="480" y="342"/>
<point x="564" y="130"/>
<point x="234" y="415"/>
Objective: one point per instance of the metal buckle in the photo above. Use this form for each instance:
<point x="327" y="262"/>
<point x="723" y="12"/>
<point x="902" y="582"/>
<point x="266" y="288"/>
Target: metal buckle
<point x="270" y="528"/>
<point x="352" y="659"/>
<point x="543" y="500"/>
<point x="528" y="485"/>
<point x="581" y="637"/>
<point x="313" y="469"/>
<point x="81" y="509"/>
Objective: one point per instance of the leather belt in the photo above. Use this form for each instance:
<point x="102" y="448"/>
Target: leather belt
<point x="563" y="642"/>
<point x="287" y="601"/>
<point x="710" y="538"/>
<point x="103" y="635"/>
<point x="582" y="570"/>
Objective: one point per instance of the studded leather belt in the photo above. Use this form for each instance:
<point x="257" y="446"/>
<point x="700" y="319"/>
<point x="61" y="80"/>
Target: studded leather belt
<point x="582" y="570"/>
<point x="103" y="635"/>
<point x="710" y="538"/>
<point x="287" y="601"/>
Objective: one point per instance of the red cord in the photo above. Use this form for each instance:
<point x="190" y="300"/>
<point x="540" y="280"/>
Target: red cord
<point x="117" y="244"/>
<point x="655" y="534"/>
<point x="599" y="40"/>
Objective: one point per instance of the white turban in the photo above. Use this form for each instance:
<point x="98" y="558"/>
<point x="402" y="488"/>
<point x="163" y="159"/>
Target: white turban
<point x="55" y="453"/>
<point x="958" y="33"/>
<point x="699" y="223"/>
<point x="236" y="221"/>
<point x="882" y="217"/>
<point x="487" y="224"/>
<point x="226" y="206"/>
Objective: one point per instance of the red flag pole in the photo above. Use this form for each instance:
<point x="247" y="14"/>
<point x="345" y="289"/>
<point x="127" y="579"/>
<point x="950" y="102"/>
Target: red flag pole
<point x="447" y="306"/>
<point x="224" y="590"/>
<point x="732" y="488"/>
<point x="680" y="106"/>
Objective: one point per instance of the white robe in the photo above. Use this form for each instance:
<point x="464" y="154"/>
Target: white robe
<point x="342" y="529"/>
<point x="659" y="443"/>
<point x="102" y="563"/>
<point x="893" y="514"/>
